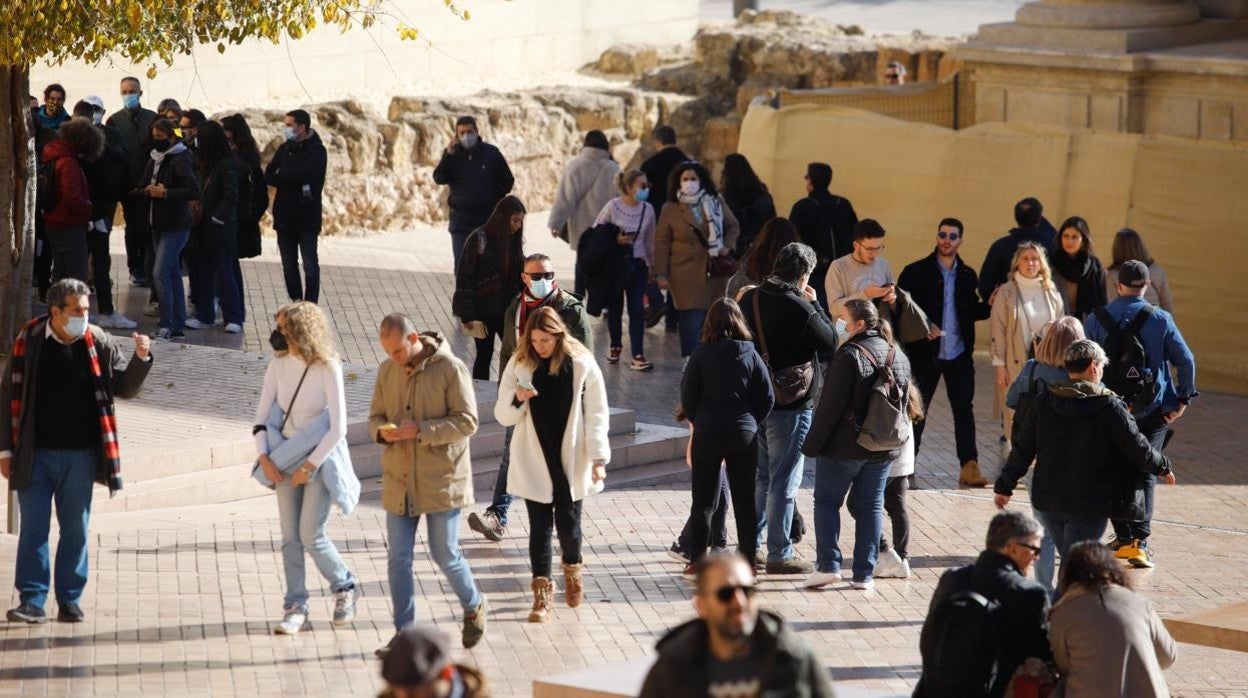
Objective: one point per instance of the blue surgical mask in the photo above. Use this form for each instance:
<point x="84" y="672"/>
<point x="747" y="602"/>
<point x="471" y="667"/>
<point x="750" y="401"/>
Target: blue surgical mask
<point x="288" y="132"/>
<point x="643" y="194"/>
<point x="841" y="327"/>
<point x="540" y="288"/>
<point x="130" y="101"/>
<point x="75" y="326"/>
<point x="469" y="140"/>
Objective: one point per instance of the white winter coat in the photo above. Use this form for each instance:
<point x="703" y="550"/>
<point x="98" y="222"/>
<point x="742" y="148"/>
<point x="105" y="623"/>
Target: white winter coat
<point x="584" y="438"/>
<point x="588" y="183"/>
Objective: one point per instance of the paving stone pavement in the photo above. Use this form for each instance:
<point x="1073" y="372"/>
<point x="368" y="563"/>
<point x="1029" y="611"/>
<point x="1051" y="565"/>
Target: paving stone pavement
<point x="182" y="601"/>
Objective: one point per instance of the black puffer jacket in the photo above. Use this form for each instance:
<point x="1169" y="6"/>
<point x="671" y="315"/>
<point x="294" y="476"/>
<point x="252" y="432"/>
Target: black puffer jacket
<point x="726" y="387"/>
<point x="295" y="165"/>
<point x="843" y="402"/>
<point x="177" y="172"/>
<point x="750" y="215"/>
<point x="108" y="180"/>
<point x="1090" y="457"/>
<point x="478" y="178"/>
<point x="797" y="331"/>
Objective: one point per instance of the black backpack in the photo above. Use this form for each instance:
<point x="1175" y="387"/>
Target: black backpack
<point x="1127" y="373"/>
<point x="959" y="643"/>
<point x="46" y="196"/>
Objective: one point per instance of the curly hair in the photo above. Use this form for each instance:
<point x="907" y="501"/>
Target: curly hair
<point x="82" y="136"/>
<point x="307" y="332"/>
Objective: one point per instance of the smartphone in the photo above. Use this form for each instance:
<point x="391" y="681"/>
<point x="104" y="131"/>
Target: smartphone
<point x="525" y="385"/>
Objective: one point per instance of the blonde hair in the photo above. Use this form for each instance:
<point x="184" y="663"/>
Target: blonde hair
<point x="1058" y="335"/>
<point x="624" y="180"/>
<point x="1046" y="272"/>
<point x="548" y="321"/>
<point x="307" y="332"/>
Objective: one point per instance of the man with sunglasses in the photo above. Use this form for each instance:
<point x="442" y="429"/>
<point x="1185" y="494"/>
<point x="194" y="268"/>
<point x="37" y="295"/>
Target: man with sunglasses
<point x="733" y="648"/>
<point x="540" y="290"/>
<point x="947" y="290"/>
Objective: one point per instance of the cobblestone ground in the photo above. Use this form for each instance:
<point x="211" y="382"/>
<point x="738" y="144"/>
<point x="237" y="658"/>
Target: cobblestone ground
<point x="182" y="601"/>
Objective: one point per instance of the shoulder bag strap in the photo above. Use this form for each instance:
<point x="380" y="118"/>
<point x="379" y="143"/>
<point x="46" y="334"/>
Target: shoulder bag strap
<point x="292" y="397"/>
<point x="762" y="336"/>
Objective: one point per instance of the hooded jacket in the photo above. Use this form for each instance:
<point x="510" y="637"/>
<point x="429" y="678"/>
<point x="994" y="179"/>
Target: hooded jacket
<point x="73" y="198"/>
<point x="726" y="387"/>
<point x="787" y="666"/>
<point x="1090" y="457"/>
<point x="296" y="165"/>
<point x="177" y="173"/>
<point x="478" y="178"/>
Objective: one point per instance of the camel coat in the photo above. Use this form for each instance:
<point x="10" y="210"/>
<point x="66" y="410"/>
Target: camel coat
<point x="682" y="259"/>
<point x="1005" y="320"/>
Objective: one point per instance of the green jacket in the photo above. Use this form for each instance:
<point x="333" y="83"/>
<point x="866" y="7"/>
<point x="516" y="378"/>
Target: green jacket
<point x="570" y="309"/>
<point x="136" y="133"/>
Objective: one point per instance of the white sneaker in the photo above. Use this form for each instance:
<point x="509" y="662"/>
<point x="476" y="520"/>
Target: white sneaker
<point x="195" y="324"/>
<point x="294" y="620"/>
<point x="891" y="566"/>
<point x="819" y="580"/>
<point x="344" y="605"/>
<point x="868" y="585"/>
<point x="234" y="328"/>
<point x="116" y="321"/>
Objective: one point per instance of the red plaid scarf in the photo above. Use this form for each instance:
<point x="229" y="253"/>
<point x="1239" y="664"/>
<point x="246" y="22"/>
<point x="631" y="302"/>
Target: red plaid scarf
<point x="108" y="421"/>
<point x="528" y="304"/>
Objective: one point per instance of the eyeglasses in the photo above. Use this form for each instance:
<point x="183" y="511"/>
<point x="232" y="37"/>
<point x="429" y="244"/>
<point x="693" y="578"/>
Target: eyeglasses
<point x="1035" y="549"/>
<point x="725" y="594"/>
<point x="871" y="249"/>
<point x="952" y="237"/>
<point x="548" y="275"/>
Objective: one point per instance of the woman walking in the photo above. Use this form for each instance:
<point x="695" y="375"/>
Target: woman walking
<point x="1080" y="277"/>
<point x="693" y="248"/>
<point x="726" y="394"/>
<point x="634" y="216"/>
<point x="488" y="278"/>
<point x="1023" y="306"/>
<point x="302" y="404"/>
<point x="214" y="240"/>
<point x="560" y="448"/>
<point x="748" y="199"/>
<point x="1129" y="245"/>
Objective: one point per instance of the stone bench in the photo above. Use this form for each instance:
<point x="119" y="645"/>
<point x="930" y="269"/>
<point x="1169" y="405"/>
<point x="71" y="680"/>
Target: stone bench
<point x="1225" y="627"/>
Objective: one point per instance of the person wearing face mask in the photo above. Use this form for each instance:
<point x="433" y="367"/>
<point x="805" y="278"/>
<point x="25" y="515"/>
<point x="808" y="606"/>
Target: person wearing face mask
<point x="695" y="227"/>
<point x="633" y="215"/>
<point x="478" y="177"/>
<point x="1080" y="277"/>
<point x="540" y="290"/>
<point x="65" y="223"/>
<point x="487" y="278"/>
<point x="169" y="187"/>
<point x="587" y="184"/>
<point x="297" y="172"/>
<point x="134" y="123"/>
<point x="112" y="137"/>
<point x="189" y="123"/>
<point x="58" y="390"/>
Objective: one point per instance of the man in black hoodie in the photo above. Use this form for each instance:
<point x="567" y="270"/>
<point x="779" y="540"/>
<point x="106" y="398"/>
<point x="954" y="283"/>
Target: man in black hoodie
<point x="479" y="178"/>
<point x="733" y="648"/>
<point x="824" y="221"/>
<point x="297" y="171"/>
<point x="1032" y="227"/>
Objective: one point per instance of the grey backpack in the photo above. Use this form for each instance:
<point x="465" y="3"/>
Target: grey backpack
<point x="885" y="426"/>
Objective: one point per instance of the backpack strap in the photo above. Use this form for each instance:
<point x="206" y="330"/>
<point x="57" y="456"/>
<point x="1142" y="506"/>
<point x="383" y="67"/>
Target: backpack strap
<point x="1137" y="322"/>
<point x="1106" y="320"/>
<point x="758" y="320"/>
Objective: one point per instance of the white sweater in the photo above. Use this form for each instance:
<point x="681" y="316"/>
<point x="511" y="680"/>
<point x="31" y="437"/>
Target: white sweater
<point x="631" y="219"/>
<point x="321" y="389"/>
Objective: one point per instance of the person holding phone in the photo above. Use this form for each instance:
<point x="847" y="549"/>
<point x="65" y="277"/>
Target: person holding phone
<point x="552" y="393"/>
<point x="478" y="176"/>
<point x="634" y="216"/>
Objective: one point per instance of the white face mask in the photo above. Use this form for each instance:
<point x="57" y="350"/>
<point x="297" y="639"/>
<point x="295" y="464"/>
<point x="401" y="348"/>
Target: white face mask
<point x="841" y="327"/>
<point x="469" y="140"/>
<point x="97" y="117"/>
<point x="690" y="187"/>
<point x="540" y="288"/>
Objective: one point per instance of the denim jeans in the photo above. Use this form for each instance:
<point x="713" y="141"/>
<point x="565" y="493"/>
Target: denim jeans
<point x="502" y="500"/>
<point x="635" y="293"/>
<point x="1068" y="530"/>
<point x="1046" y="562"/>
<point x="833" y="479"/>
<point x="304" y="511"/>
<point x="443" y="546"/>
<point x="66" y="477"/>
<point x="168" y="277"/>
<point x="690" y="322"/>
<point x="780" y="466"/>
<point x="292" y="245"/>
<point x="457" y="245"/>
<point x="101" y="270"/>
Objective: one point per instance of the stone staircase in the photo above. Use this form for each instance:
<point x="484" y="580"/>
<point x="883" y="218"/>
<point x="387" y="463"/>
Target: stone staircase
<point x="191" y="473"/>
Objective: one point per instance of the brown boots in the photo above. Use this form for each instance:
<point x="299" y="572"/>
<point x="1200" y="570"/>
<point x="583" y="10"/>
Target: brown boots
<point x="970" y="475"/>
<point x="573" y="585"/>
<point x="543" y="600"/>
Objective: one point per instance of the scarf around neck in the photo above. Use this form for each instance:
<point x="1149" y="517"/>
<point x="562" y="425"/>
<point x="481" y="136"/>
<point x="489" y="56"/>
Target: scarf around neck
<point x="1084" y="272"/>
<point x="528" y="303"/>
<point x="712" y="211"/>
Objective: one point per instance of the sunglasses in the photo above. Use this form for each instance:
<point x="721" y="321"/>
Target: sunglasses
<point x="952" y="237"/>
<point x="1035" y="549"/>
<point x="548" y="275"/>
<point x="725" y="594"/>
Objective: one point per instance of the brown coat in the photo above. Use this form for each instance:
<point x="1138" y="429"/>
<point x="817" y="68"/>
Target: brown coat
<point x="682" y="259"/>
<point x="433" y="472"/>
<point x="1004" y="321"/>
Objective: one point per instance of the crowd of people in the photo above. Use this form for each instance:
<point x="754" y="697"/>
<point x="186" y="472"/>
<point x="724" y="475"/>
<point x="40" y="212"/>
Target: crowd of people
<point x="798" y="342"/>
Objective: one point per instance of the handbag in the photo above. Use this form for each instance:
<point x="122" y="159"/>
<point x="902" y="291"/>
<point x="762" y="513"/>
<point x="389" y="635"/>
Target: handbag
<point x="789" y="384"/>
<point x="717" y="266"/>
<point x="285" y="417"/>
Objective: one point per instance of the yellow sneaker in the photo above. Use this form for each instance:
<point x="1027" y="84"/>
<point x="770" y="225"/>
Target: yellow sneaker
<point x="1136" y="554"/>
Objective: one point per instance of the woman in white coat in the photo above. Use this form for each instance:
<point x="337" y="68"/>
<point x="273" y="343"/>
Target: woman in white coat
<point x="559" y="449"/>
<point x="587" y="184"/>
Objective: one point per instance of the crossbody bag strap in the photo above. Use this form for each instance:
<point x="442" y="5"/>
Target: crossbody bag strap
<point x="286" y="418"/>
<point x="762" y="336"/>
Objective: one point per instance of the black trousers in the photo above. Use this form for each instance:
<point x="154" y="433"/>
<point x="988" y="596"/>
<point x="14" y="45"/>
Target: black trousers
<point x="739" y="449"/>
<point x="719" y="520"/>
<point x="565" y="518"/>
<point x="959" y="377"/>
<point x="101" y="269"/>
<point x="138" y="236"/>
<point x="485" y="350"/>
<point x="1154" y="428"/>
<point x="291" y="246"/>
<point x="895" y="507"/>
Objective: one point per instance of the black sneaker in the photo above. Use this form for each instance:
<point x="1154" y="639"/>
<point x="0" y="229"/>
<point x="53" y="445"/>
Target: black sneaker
<point x="793" y="565"/>
<point x="676" y="553"/>
<point x="27" y="613"/>
<point x="70" y="613"/>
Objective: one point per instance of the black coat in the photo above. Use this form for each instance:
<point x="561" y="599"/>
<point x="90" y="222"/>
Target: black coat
<point x="797" y="331"/>
<point x="826" y="222"/>
<point x="788" y="666"/>
<point x="604" y="265"/>
<point x="843" y="401"/>
<point x="478" y="178"/>
<point x="925" y="283"/>
<point x="996" y="267"/>
<point x="177" y="173"/>
<point x="658" y="169"/>
<point x="108" y="180"/>
<point x="483" y="288"/>
<point x="1091" y="459"/>
<point x="726" y="387"/>
<point x="750" y="215"/>
<point x="1024" y="630"/>
<point x="296" y="164"/>
<point x="135" y="128"/>
<point x="253" y="202"/>
<point x="216" y="236"/>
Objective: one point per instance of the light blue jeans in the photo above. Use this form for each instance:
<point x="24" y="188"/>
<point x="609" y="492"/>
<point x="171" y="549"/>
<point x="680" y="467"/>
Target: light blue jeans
<point x="443" y="545"/>
<point x="67" y="478"/>
<point x="780" y="466"/>
<point x="833" y="479"/>
<point x="168" y="271"/>
<point x="304" y="512"/>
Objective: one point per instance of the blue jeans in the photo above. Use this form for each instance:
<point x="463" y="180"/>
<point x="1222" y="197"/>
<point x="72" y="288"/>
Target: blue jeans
<point x="1068" y="530"/>
<point x="690" y="327"/>
<point x="304" y="511"/>
<point x="635" y="293"/>
<point x="291" y="245"/>
<point x="833" y="478"/>
<point x="1046" y="563"/>
<point x="443" y="545"/>
<point x="502" y="500"/>
<point x="780" y="465"/>
<point x="168" y="272"/>
<point x="66" y="477"/>
<point x="217" y="280"/>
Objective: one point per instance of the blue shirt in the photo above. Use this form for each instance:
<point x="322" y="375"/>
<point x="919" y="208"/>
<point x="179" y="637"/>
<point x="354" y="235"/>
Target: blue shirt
<point x="951" y="345"/>
<point x="1163" y="344"/>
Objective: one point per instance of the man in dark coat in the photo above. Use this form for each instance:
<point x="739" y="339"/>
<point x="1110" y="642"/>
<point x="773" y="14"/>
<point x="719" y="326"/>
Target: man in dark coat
<point x="658" y="169"/>
<point x="297" y="171"/>
<point x="478" y="176"/>
<point x="1032" y="227"/>
<point x="134" y="123"/>
<point x="824" y="221"/>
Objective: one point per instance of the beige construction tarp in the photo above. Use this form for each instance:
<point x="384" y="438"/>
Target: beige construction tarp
<point x="1182" y="195"/>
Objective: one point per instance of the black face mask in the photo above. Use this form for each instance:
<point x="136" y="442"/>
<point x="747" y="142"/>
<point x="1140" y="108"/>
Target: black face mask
<point x="278" y="341"/>
<point x="162" y="144"/>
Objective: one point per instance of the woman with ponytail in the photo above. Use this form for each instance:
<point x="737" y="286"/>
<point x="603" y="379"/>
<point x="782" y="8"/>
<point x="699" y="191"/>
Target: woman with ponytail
<point x="635" y="219"/>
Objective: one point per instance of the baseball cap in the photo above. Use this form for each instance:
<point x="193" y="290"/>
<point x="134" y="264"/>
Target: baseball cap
<point x="94" y="101"/>
<point x="1133" y="274"/>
